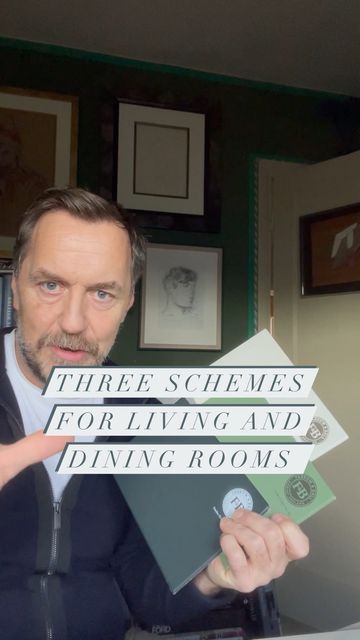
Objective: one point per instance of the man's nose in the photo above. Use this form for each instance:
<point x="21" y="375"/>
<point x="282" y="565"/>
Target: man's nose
<point x="73" y="317"/>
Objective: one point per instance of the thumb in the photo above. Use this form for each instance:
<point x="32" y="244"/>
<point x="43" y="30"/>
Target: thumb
<point x="37" y="447"/>
<point x="29" y="450"/>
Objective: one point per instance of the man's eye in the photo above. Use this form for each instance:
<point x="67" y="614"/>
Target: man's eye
<point x="50" y="286"/>
<point x="102" y="295"/>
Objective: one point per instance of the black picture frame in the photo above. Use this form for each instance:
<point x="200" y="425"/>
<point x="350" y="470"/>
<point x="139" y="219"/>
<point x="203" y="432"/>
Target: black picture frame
<point x="330" y="251"/>
<point x="210" y="221"/>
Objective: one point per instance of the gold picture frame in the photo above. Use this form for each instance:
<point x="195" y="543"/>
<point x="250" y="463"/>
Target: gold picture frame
<point x="38" y="148"/>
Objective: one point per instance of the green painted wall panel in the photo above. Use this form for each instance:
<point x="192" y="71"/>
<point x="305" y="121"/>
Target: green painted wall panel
<point x="256" y="119"/>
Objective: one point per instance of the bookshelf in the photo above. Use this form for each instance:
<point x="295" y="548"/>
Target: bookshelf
<point x="6" y="306"/>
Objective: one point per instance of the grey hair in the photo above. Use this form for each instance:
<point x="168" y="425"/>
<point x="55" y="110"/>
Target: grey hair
<point x="86" y="206"/>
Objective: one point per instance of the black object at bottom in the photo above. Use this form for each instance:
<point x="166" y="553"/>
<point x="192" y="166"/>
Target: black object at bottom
<point x="255" y="614"/>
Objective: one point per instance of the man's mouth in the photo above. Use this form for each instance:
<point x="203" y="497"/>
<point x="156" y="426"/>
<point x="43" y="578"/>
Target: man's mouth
<point x="69" y="354"/>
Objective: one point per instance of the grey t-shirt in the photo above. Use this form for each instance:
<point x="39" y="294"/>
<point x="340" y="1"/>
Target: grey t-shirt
<point x="35" y="411"/>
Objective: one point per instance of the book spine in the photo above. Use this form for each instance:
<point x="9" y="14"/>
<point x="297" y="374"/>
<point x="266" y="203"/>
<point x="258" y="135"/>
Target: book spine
<point x="1" y="297"/>
<point x="7" y="312"/>
<point x="6" y="264"/>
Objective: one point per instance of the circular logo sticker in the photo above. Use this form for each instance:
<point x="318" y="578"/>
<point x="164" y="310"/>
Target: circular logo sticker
<point x="300" y="490"/>
<point x="317" y="432"/>
<point x="235" y="499"/>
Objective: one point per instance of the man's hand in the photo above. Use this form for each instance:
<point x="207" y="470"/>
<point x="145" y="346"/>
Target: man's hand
<point x="257" y="550"/>
<point x="16" y="457"/>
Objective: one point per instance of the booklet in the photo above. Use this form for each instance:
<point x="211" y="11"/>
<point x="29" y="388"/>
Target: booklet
<point x="179" y="515"/>
<point x="262" y="350"/>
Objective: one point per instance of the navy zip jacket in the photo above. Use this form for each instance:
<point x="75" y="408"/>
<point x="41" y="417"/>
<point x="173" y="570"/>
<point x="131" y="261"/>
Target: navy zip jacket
<point x="73" y="570"/>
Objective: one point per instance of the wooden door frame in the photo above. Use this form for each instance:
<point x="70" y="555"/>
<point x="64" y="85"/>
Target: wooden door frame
<point x="259" y="238"/>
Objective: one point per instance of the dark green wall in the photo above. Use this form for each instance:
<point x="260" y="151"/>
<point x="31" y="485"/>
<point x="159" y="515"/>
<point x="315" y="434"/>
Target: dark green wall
<point x="264" y="120"/>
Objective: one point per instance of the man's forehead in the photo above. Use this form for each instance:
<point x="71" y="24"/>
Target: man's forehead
<point x="61" y="224"/>
<point x="101" y="245"/>
<point x="64" y="217"/>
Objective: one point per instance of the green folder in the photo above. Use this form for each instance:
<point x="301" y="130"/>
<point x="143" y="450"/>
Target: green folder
<point x="179" y="516"/>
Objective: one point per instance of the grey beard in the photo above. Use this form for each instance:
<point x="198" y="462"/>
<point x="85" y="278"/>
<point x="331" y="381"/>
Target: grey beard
<point x="64" y="341"/>
<point x="31" y="360"/>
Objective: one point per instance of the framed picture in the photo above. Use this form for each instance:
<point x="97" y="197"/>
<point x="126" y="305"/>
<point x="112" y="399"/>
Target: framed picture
<point x="330" y="251"/>
<point x="6" y="261"/>
<point x="38" y="149"/>
<point x="181" y="298"/>
<point x="165" y="171"/>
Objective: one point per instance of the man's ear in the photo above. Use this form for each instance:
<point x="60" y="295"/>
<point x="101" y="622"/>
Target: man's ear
<point x="131" y="300"/>
<point x="14" y="289"/>
<point x="128" y="306"/>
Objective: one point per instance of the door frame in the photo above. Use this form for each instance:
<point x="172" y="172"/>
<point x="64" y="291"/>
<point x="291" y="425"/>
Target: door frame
<point x="259" y="241"/>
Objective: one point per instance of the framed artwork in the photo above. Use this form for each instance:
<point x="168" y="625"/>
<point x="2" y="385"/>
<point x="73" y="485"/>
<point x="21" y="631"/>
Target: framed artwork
<point x="330" y="251"/>
<point x="165" y="167"/>
<point x="38" y="149"/>
<point x="5" y="261"/>
<point x="181" y="298"/>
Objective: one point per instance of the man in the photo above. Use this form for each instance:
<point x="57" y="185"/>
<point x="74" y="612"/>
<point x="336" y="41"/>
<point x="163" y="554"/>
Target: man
<point x="72" y="559"/>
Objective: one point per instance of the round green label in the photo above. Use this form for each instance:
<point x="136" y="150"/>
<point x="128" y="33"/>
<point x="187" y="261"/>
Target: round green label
<point x="300" y="490"/>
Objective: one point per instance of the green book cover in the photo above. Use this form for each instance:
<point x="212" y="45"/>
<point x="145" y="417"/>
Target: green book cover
<point x="179" y="514"/>
<point x="297" y="496"/>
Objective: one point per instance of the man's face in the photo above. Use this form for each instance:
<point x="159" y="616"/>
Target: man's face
<point x="183" y="292"/>
<point x="72" y="293"/>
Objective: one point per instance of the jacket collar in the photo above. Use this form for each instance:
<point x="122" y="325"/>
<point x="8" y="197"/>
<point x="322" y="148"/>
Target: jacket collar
<point x="7" y="396"/>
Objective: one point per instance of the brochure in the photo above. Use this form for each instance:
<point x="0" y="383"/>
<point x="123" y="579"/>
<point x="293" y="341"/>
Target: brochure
<point x="179" y="515"/>
<point x="262" y="350"/>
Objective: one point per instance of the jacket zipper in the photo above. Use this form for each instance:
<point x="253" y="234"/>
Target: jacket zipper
<point x="44" y="582"/>
<point x="56" y="524"/>
<point x="55" y="537"/>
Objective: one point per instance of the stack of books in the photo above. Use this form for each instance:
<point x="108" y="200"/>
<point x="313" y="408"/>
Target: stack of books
<point x="6" y="301"/>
